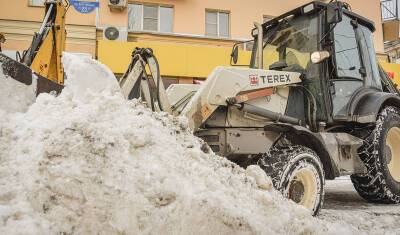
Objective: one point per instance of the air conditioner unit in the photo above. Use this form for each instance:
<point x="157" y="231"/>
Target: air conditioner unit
<point x="117" y="4"/>
<point x="112" y="33"/>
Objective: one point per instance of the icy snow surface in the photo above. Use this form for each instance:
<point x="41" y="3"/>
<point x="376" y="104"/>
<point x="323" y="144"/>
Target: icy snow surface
<point x="342" y="203"/>
<point x="90" y="162"/>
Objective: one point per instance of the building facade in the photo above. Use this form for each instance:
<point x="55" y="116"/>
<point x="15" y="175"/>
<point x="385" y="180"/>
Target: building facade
<point x="190" y="37"/>
<point x="391" y="29"/>
<point x="20" y="19"/>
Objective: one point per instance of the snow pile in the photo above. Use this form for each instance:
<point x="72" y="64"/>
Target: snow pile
<point x="84" y="73"/>
<point x="94" y="163"/>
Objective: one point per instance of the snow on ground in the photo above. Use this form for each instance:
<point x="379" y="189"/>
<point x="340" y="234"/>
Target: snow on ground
<point x="342" y="203"/>
<point x="90" y="162"/>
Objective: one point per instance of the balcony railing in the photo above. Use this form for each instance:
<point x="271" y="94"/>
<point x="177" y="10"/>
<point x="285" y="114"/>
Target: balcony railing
<point x="389" y="9"/>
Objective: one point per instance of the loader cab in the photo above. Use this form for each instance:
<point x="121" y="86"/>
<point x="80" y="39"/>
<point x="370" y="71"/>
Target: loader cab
<point x="353" y="64"/>
<point x="332" y="48"/>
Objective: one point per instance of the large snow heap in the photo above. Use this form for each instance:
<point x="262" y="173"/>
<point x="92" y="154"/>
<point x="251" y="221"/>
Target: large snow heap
<point x="90" y="162"/>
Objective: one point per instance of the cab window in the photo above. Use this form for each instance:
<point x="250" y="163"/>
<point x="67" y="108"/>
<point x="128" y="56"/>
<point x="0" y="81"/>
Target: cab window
<point x="347" y="56"/>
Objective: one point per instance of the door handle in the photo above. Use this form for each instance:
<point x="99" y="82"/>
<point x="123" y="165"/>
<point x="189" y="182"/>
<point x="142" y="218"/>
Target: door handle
<point x="332" y="88"/>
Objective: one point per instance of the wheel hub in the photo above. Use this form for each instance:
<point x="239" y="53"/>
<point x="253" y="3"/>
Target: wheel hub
<point x="392" y="152"/>
<point x="303" y="187"/>
<point x="296" y="191"/>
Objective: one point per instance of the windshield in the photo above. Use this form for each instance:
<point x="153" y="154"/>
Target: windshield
<point x="288" y="46"/>
<point x="291" y="41"/>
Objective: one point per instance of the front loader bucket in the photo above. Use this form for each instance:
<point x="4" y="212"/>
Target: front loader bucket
<point x="19" y="85"/>
<point x="16" y="70"/>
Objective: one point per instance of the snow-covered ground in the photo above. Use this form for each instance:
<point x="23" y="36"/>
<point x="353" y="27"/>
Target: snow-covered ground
<point x="90" y="162"/>
<point x="342" y="203"/>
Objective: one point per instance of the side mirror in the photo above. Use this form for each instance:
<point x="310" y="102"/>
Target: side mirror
<point x="319" y="56"/>
<point x="235" y="54"/>
<point x="334" y="13"/>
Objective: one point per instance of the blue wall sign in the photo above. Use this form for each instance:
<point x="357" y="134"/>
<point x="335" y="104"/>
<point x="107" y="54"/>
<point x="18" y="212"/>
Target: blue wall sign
<point x="83" y="6"/>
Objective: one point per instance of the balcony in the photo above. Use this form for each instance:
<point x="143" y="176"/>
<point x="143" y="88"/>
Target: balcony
<point x="390" y="19"/>
<point x="389" y="10"/>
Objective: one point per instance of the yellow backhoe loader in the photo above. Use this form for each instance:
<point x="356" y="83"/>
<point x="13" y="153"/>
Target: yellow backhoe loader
<point x="40" y="65"/>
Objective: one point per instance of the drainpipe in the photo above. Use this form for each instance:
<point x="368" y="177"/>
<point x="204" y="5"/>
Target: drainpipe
<point x="97" y="16"/>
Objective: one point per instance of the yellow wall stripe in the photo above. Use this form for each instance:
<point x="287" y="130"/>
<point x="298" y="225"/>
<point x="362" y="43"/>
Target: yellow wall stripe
<point x="176" y="60"/>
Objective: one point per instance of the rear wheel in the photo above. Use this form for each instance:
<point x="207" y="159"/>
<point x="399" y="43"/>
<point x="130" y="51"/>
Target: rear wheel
<point x="381" y="156"/>
<point x="297" y="173"/>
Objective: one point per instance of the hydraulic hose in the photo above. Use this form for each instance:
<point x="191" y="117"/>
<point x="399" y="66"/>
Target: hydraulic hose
<point x="146" y="58"/>
<point x="151" y="55"/>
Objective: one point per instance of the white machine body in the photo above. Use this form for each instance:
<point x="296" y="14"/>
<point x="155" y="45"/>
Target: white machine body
<point x="226" y="82"/>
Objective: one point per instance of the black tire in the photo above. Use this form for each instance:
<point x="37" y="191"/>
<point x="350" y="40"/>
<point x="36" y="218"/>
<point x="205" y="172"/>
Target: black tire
<point x="378" y="185"/>
<point x="284" y="164"/>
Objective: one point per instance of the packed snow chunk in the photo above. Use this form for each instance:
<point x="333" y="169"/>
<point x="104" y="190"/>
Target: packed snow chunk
<point x="15" y="96"/>
<point x="262" y="180"/>
<point x="85" y="74"/>
<point x="91" y="162"/>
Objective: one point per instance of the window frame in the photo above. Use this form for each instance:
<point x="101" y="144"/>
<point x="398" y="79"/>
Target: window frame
<point x="158" y="17"/>
<point x="31" y="4"/>
<point x="372" y="78"/>
<point x="218" y="12"/>
<point x="159" y="6"/>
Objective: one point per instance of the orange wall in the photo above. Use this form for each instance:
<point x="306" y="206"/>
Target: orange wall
<point x="19" y="21"/>
<point x="371" y="10"/>
<point x="189" y="15"/>
<point x="18" y="45"/>
<point x="19" y="10"/>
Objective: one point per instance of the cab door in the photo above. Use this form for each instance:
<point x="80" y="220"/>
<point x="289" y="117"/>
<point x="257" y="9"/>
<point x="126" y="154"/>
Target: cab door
<point x="356" y="69"/>
<point x="348" y="72"/>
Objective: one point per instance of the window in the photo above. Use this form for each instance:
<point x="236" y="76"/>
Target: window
<point x="150" y="18"/>
<point x="348" y="65"/>
<point x="370" y="57"/>
<point x="39" y="3"/>
<point x="346" y="49"/>
<point x="217" y="24"/>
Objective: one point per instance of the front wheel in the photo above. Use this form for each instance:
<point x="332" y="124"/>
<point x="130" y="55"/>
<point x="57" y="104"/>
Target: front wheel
<point x="297" y="173"/>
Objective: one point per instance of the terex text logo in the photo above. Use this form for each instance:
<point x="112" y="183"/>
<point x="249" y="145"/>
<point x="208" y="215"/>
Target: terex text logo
<point x="282" y="78"/>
